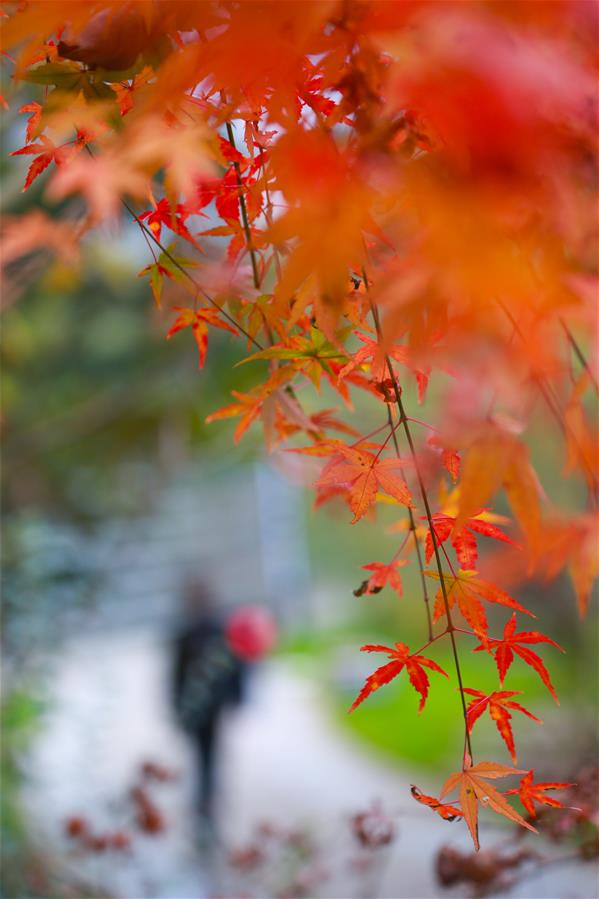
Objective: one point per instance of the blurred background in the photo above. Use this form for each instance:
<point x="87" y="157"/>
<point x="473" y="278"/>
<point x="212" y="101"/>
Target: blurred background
<point x="117" y="495"/>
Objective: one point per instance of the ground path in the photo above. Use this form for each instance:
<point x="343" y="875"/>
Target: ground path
<point x="283" y="761"/>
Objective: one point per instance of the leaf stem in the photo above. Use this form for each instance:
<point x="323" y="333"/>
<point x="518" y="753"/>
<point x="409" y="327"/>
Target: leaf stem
<point x="424" y="495"/>
<point x="393" y="428"/>
<point x="244" y="213"/>
<point x="149" y="233"/>
<point x="579" y="354"/>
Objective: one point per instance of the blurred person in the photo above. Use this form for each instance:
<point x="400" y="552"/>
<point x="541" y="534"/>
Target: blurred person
<point x="212" y="655"/>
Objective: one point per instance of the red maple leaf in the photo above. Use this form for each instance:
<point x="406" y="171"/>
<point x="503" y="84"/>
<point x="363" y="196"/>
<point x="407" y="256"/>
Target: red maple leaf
<point x="45" y="152"/>
<point x="498" y="703"/>
<point x="467" y="590"/>
<point x="199" y="321"/>
<point x="375" y="355"/>
<point x="504" y="652"/>
<point x="381" y="576"/>
<point x="463" y="540"/>
<point x="262" y="401"/>
<point x="34" y="119"/>
<point x="165" y="215"/>
<point x="450" y="458"/>
<point x="530" y="793"/>
<point x="400" y="658"/>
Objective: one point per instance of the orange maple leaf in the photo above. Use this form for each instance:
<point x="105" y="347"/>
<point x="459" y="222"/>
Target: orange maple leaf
<point x="472" y="781"/>
<point x="198" y="321"/>
<point x="400" y="658"/>
<point x="375" y="355"/>
<point x="498" y="703"/>
<point x="382" y="575"/>
<point x="45" y="152"/>
<point x="171" y="217"/>
<point x="361" y="474"/>
<point x="446" y="811"/>
<point x="265" y="401"/>
<point x="504" y="652"/>
<point x="499" y="459"/>
<point x="34" y="119"/>
<point x="450" y="458"/>
<point x="467" y="590"/>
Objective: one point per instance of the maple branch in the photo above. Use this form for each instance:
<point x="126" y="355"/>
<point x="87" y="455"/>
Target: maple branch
<point x="423" y="492"/>
<point x="244" y="213"/>
<point x="579" y="354"/>
<point x="393" y="428"/>
<point x="147" y="232"/>
<point x="450" y="624"/>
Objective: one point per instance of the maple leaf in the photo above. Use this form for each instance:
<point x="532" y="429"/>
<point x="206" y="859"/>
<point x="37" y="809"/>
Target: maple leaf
<point x="504" y="652"/>
<point x="125" y="90"/>
<point x="262" y="313"/>
<point x="164" y="215"/>
<point x="168" y="265"/>
<point x="375" y="355"/>
<point x="498" y="458"/>
<point x="463" y="540"/>
<point x="198" y="321"/>
<point x="584" y="563"/>
<point x="328" y="210"/>
<point x="472" y="781"/>
<point x="320" y="422"/>
<point x="309" y="355"/>
<point x="361" y="474"/>
<point x="498" y="703"/>
<point x="224" y="191"/>
<point x="326" y="420"/>
<point x="446" y="811"/>
<point x="103" y="181"/>
<point x="581" y="435"/>
<point x="530" y="792"/>
<point x="450" y="458"/>
<point x="382" y="575"/>
<point x="248" y="406"/>
<point x="34" y="119"/>
<point x="572" y="543"/>
<point x="263" y="401"/>
<point x="467" y="590"/>
<point x="45" y="152"/>
<point x="400" y="658"/>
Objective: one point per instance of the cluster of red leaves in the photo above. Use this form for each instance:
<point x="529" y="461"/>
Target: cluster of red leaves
<point x="148" y="816"/>
<point x="79" y="830"/>
<point x="394" y="192"/>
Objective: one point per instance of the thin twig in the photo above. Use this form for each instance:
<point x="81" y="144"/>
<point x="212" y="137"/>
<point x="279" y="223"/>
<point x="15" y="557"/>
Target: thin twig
<point x="244" y="213"/>
<point x="424" y="495"/>
<point x="149" y="233"/>
<point x="393" y="428"/>
<point x="579" y="354"/>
